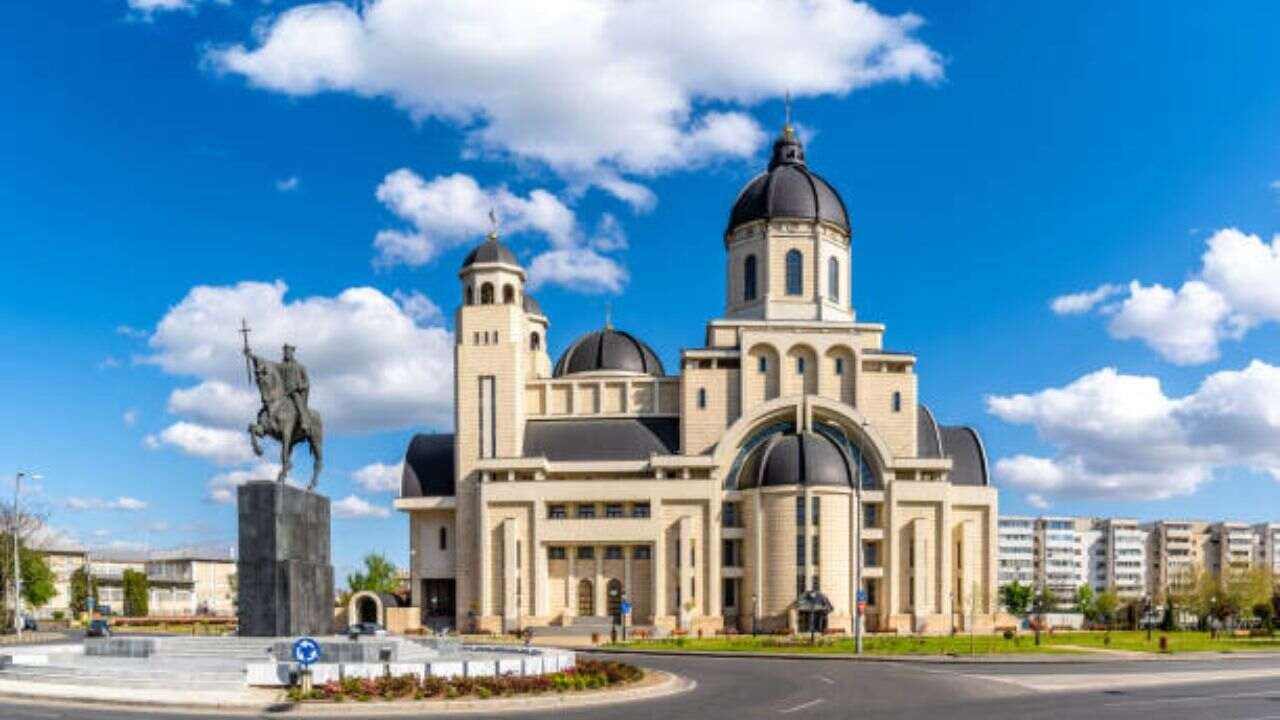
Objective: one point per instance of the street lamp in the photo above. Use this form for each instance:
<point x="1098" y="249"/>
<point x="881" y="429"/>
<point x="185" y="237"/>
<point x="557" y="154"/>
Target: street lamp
<point x="755" y="611"/>
<point x="17" y="567"/>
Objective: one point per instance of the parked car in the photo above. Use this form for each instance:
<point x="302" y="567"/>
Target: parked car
<point x="98" y="628"/>
<point x="366" y="628"/>
<point x="29" y="623"/>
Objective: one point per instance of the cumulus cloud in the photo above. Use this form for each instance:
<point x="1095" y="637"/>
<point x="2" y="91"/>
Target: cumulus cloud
<point x="601" y="93"/>
<point x="1082" y="302"/>
<point x="352" y="506"/>
<point x="372" y="366"/>
<point x="1236" y="289"/>
<point x="1038" y="501"/>
<point x="221" y="488"/>
<point x="287" y="185"/>
<point x="130" y="417"/>
<point x="147" y="10"/>
<point x="124" y="503"/>
<point x="379" y="477"/>
<point x="451" y="210"/>
<point x="1120" y="436"/>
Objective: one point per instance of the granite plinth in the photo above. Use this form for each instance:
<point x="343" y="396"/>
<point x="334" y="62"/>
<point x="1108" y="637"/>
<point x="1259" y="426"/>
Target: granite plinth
<point x="284" y="573"/>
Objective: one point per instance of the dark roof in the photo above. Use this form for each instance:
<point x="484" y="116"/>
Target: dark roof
<point x="928" y="440"/>
<point x="788" y="189"/>
<point x="602" y="439"/>
<point x="805" y="458"/>
<point x="531" y="306"/>
<point x="968" y="458"/>
<point x="428" y="467"/>
<point x="492" y="250"/>
<point x="608" y="349"/>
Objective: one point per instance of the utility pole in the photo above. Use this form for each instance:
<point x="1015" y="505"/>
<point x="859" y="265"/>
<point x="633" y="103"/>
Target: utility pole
<point x="859" y="596"/>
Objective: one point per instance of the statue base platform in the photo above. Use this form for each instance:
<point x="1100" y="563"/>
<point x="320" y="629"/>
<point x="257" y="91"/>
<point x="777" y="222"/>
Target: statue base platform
<point x="284" y="571"/>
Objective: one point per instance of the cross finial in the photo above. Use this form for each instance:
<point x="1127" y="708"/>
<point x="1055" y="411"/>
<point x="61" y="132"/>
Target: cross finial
<point x="608" y="314"/>
<point x="786" y="125"/>
<point x="493" y="224"/>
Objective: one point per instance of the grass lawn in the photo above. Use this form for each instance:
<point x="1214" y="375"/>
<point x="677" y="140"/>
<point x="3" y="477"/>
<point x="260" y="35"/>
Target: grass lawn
<point x="1058" y="643"/>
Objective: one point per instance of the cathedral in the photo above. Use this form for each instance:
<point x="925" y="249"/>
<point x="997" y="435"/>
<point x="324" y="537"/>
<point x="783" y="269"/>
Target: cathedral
<point x="786" y="474"/>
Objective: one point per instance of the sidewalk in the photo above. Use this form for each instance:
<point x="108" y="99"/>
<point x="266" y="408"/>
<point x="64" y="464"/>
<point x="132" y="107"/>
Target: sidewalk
<point x="1078" y="655"/>
<point x="30" y="637"/>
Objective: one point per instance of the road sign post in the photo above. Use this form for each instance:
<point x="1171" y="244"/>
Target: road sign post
<point x="626" y="612"/>
<point x="306" y="652"/>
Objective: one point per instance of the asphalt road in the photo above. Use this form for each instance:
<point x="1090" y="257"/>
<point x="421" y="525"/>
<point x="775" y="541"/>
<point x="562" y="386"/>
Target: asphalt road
<point x="741" y="689"/>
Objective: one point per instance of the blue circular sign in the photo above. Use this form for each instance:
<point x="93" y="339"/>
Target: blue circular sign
<point x="306" y="651"/>
<point x="626" y="607"/>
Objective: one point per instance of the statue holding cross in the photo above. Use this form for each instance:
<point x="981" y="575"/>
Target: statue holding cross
<point x="285" y="389"/>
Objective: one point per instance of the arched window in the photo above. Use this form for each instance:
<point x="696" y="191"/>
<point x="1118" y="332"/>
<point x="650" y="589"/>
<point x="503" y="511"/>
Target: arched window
<point x="749" y="279"/>
<point x="795" y="273"/>
<point x="469" y="296"/>
<point x="833" y="279"/>
<point x="535" y="341"/>
<point x="486" y="294"/>
<point x="508" y="294"/>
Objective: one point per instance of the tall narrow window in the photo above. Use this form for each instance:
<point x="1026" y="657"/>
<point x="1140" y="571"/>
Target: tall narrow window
<point x="444" y="539"/>
<point x="508" y="294"/>
<point x="800" y="366"/>
<point x="897" y="401"/>
<point x="702" y="398"/>
<point x="795" y="273"/>
<point x="839" y="366"/>
<point x="469" y="295"/>
<point x="833" y="279"/>
<point x="488" y="417"/>
<point x="799" y="511"/>
<point x="486" y="294"/>
<point x="749" y="279"/>
<point x="763" y="364"/>
<point x="535" y="341"/>
<point x="816" y="503"/>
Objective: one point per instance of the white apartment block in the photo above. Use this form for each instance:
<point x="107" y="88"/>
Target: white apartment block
<point x="1268" y="553"/>
<point x="1060" y="558"/>
<point x="1017" y="550"/>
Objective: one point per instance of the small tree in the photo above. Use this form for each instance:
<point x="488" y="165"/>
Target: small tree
<point x="1085" y="602"/>
<point x="1266" y="616"/>
<point x="1016" y="597"/>
<point x="1106" y="604"/>
<point x="37" y="578"/>
<point x="136" y="590"/>
<point x="379" y="576"/>
<point x="81" y="592"/>
<point x="1046" y="600"/>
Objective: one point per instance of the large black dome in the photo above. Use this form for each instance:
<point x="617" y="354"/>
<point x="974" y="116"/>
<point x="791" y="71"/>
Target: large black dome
<point x="608" y="349"/>
<point x="788" y="189"/>
<point x="790" y="458"/>
<point x="492" y="250"/>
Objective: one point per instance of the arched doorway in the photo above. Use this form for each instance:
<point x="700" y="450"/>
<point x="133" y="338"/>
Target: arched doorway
<point x="367" y="609"/>
<point x="586" y="599"/>
<point x="613" y="597"/>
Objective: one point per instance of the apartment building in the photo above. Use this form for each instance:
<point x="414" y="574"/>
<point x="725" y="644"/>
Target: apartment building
<point x="1017" y="550"/>
<point x="1060" y="558"/>
<point x="1268" y="548"/>
<point x="1233" y="547"/>
<point x="187" y="582"/>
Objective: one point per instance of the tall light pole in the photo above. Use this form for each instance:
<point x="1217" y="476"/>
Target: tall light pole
<point x="857" y="572"/>
<point x="17" y="566"/>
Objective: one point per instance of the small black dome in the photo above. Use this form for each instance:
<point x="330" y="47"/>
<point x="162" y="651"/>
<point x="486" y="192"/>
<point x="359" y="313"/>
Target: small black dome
<point x="788" y="189"/>
<point x="608" y="349"/>
<point x="805" y="458"/>
<point x="492" y="250"/>
<point x="531" y="306"/>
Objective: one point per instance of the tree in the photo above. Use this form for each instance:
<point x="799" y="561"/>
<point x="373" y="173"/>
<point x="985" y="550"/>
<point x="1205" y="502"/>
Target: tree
<point x="1106" y="604"/>
<point x="1046" y="600"/>
<point x="1016" y="597"/>
<point x="80" y="590"/>
<point x="136" y="590"/>
<point x="1085" y="602"/>
<point x="37" y="578"/>
<point x="379" y="576"/>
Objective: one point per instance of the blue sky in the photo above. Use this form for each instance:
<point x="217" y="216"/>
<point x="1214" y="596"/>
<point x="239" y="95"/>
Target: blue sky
<point x="994" y="157"/>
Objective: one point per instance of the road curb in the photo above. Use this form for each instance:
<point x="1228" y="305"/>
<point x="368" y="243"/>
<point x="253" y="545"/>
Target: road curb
<point x="1083" y="658"/>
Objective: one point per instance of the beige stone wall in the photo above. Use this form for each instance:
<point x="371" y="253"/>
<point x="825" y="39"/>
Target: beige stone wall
<point x="877" y="383"/>
<point x="702" y="427"/>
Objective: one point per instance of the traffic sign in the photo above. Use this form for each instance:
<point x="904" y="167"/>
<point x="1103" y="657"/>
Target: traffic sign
<point x="306" y="651"/>
<point x="626" y="607"/>
<point x="862" y="596"/>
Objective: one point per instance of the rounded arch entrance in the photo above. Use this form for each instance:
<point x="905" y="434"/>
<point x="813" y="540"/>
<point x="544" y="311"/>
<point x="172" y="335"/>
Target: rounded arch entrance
<point x="586" y="598"/>
<point x="368" y="607"/>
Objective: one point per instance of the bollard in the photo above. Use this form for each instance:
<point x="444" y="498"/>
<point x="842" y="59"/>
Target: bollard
<point x="1164" y="643"/>
<point x="306" y="682"/>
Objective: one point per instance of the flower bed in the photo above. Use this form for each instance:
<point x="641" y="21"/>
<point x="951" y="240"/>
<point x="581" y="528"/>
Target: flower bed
<point x="585" y="675"/>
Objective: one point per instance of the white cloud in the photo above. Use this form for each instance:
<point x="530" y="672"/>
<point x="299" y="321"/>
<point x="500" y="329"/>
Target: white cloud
<point x="379" y="477"/>
<point x="595" y="91"/>
<point x="1236" y="289"/>
<point x="421" y="308"/>
<point x="372" y="367"/>
<point x="124" y="503"/>
<point x="221" y="488"/>
<point x="356" y="507"/>
<point x="1083" y="302"/>
<point x="1120" y="436"/>
<point x="130" y="417"/>
<point x="287" y="185"/>
<point x="147" y="9"/>
<point x="131" y="332"/>
<point x="451" y="210"/>
<point x="1274" y="185"/>
<point x="219" y="446"/>
<point x="109" y="362"/>
<point x="1038" y="501"/>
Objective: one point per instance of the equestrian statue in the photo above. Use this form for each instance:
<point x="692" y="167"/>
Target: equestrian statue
<point x="284" y="389"/>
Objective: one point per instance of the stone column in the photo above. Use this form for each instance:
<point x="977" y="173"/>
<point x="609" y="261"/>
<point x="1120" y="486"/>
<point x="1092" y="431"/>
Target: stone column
<point x="510" y="571"/>
<point x="571" y="583"/>
<point x="541" y="576"/>
<point x="659" y="566"/>
<point x="946" y="560"/>
<point x="486" y="555"/>
<point x="601" y="601"/>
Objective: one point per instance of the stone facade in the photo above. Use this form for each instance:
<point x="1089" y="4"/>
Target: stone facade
<point x="558" y="496"/>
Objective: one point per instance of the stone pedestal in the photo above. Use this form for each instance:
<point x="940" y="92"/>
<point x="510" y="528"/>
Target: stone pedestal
<point x="284" y="572"/>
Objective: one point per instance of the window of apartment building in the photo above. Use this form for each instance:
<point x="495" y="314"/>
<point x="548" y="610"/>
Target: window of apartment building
<point x="613" y="510"/>
<point x="586" y="511"/>
<point x="556" y="552"/>
<point x="586" y="552"/>
<point x="702" y="398"/>
<point x="444" y="538"/>
<point x="556" y="512"/>
<point x="613" y="552"/>
<point x="814" y="505"/>
<point x="640" y="510"/>
<point x="641" y="552"/>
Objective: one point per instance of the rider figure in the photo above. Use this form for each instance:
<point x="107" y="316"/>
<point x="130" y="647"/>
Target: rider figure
<point x="296" y="385"/>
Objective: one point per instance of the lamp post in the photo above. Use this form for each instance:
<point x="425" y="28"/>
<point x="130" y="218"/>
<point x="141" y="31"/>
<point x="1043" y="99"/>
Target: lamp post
<point x="857" y="565"/>
<point x="17" y="567"/>
<point x="755" y="611"/>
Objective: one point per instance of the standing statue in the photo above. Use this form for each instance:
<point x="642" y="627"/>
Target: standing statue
<point x="284" y="389"/>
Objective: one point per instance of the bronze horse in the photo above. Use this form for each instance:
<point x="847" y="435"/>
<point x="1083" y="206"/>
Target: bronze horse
<point x="288" y="421"/>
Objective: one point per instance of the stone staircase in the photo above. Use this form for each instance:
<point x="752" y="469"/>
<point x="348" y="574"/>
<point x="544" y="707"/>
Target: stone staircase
<point x="128" y="677"/>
